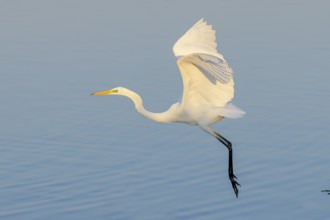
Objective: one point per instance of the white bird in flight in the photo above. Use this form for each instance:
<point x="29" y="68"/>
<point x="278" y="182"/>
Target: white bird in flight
<point x="208" y="87"/>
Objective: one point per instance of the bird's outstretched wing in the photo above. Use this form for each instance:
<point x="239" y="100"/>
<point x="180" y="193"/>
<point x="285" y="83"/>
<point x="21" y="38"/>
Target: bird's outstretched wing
<point x="200" y="38"/>
<point x="206" y="75"/>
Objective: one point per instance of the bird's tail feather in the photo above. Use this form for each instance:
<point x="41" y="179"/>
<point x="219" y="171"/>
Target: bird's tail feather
<point x="231" y="111"/>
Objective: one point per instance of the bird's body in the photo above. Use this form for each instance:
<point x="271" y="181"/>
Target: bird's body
<point x="208" y="87"/>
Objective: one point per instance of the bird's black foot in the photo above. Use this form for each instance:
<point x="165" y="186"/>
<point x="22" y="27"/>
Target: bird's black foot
<point x="234" y="183"/>
<point x="232" y="177"/>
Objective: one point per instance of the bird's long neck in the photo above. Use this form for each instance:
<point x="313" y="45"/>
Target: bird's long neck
<point x="164" y="117"/>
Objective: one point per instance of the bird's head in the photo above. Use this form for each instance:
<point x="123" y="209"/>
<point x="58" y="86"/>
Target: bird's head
<point x="121" y="91"/>
<point x="114" y="91"/>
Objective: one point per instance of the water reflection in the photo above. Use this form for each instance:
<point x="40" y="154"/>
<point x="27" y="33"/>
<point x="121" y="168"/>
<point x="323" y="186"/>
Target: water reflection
<point x="326" y="191"/>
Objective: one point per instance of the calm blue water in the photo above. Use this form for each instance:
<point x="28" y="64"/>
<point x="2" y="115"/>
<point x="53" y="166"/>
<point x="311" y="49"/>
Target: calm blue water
<point x="67" y="155"/>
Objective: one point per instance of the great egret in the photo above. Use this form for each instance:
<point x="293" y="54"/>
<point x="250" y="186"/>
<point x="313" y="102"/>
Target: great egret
<point x="208" y="87"/>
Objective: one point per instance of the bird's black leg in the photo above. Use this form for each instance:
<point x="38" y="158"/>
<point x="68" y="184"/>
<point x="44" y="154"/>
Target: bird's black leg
<point x="232" y="177"/>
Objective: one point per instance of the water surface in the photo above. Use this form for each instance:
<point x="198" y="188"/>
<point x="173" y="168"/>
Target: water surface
<point x="67" y="155"/>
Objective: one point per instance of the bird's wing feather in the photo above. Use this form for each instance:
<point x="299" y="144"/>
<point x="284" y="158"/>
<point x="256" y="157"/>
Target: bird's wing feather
<point x="207" y="80"/>
<point x="206" y="75"/>
<point x="200" y="38"/>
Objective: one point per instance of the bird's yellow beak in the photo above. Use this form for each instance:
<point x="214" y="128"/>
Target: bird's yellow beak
<point x="106" y="92"/>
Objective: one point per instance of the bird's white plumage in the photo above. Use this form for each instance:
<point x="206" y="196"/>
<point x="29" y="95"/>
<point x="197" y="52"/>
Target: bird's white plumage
<point x="200" y="38"/>
<point x="206" y="75"/>
<point x="202" y="85"/>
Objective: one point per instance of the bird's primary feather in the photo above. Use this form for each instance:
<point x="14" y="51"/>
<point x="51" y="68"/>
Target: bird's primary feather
<point x="200" y="38"/>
